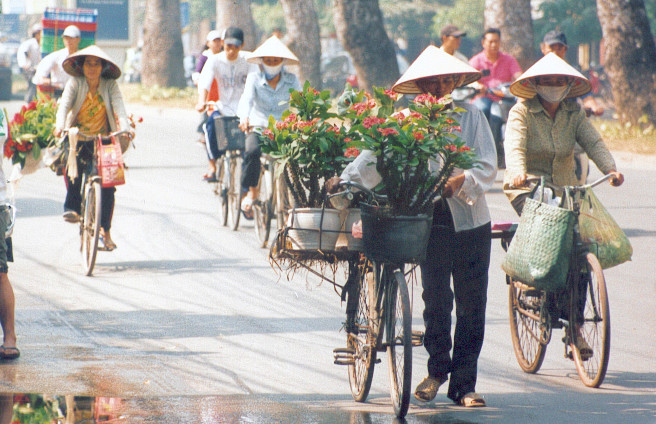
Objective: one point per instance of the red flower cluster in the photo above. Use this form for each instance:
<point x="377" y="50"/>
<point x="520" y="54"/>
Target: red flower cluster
<point x="268" y="133"/>
<point x="363" y="106"/>
<point x="392" y="95"/>
<point x="455" y="148"/>
<point x="418" y="135"/>
<point x="427" y="98"/>
<point x="334" y="128"/>
<point x="370" y="121"/>
<point x="351" y="152"/>
<point x="305" y="124"/>
<point x="388" y="131"/>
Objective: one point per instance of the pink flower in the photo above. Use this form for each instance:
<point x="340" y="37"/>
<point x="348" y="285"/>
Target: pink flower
<point x="351" y="152"/>
<point x="281" y="125"/>
<point x="370" y="121"/>
<point x="31" y="105"/>
<point x="418" y="135"/>
<point x="347" y="139"/>
<point x="291" y="118"/>
<point x="464" y="149"/>
<point x="388" y="131"/>
<point x="392" y="95"/>
<point x="268" y="133"/>
<point x="333" y="128"/>
<point x="426" y="98"/>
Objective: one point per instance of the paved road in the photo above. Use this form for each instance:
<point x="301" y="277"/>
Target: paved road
<point x="185" y="307"/>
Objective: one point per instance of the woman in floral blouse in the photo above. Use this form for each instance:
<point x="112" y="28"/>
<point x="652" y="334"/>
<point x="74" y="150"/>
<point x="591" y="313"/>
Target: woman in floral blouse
<point x="92" y="102"/>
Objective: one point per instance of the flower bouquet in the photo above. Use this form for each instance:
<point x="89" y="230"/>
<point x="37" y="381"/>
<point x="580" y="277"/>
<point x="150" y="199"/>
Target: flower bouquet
<point x="30" y="133"/>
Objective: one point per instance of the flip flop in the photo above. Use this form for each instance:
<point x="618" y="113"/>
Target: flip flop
<point x="472" y="400"/>
<point x="9" y="353"/>
<point x="107" y="246"/>
<point x="210" y="178"/>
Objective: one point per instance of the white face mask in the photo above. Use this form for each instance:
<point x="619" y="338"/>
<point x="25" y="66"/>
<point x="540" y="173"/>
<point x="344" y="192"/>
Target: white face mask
<point x="271" y="71"/>
<point x="553" y="94"/>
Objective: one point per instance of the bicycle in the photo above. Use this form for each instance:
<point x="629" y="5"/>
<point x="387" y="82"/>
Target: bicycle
<point x="379" y="318"/>
<point x="91" y="200"/>
<point x="535" y="313"/>
<point x="230" y="141"/>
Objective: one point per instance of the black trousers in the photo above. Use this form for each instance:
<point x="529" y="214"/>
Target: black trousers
<point x="465" y="256"/>
<point x="250" y="170"/>
<point x="74" y="189"/>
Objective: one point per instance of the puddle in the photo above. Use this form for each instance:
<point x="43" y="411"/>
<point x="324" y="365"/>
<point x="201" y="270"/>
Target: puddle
<point x="55" y="409"/>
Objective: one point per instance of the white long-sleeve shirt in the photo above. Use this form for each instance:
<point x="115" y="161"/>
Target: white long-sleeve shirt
<point x="51" y="67"/>
<point x="468" y="206"/>
<point x="28" y="54"/>
<point x="230" y="77"/>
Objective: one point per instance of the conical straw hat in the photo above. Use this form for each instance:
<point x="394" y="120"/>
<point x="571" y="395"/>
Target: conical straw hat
<point x="434" y="62"/>
<point x="550" y="64"/>
<point x="273" y="47"/>
<point x="73" y="63"/>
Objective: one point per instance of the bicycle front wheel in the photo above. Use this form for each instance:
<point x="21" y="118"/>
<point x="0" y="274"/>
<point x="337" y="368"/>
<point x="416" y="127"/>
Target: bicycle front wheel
<point x="524" y="308"/>
<point x="234" y="192"/>
<point x="361" y="335"/>
<point x="593" y="325"/>
<point x="398" y="328"/>
<point x="262" y="209"/>
<point x="222" y="190"/>
<point x="90" y="226"/>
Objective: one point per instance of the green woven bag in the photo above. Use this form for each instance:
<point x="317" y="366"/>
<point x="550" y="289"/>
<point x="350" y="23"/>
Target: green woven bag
<point x="539" y="252"/>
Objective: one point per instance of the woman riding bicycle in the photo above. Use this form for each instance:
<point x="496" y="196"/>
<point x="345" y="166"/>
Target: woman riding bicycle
<point x="266" y="94"/>
<point x="92" y="102"/>
<point x="543" y="130"/>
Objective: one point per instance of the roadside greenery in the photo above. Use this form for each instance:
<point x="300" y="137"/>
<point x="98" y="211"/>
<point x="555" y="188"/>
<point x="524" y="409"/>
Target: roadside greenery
<point x="160" y="96"/>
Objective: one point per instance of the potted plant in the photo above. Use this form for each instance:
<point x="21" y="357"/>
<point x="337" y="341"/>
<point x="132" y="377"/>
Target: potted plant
<point x="310" y="146"/>
<point x="415" y="151"/>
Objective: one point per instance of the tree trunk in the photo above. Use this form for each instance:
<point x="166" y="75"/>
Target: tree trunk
<point x="162" y="62"/>
<point x="237" y="14"/>
<point x="303" y="32"/>
<point x="513" y="18"/>
<point x="359" y="26"/>
<point x="630" y="58"/>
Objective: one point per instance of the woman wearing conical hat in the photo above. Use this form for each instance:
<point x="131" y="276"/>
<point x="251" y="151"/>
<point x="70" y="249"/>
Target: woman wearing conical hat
<point x="92" y="102"/>
<point x="266" y="94"/>
<point x="542" y="131"/>
<point x="460" y="241"/>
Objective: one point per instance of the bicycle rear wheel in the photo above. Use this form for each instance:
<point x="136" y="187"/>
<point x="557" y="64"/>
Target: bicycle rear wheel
<point x="398" y="329"/>
<point x="524" y="308"/>
<point x="90" y="226"/>
<point x="234" y="192"/>
<point x="222" y="190"/>
<point x="262" y="208"/>
<point x="361" y="335"/>
<point x="594" y="325"/>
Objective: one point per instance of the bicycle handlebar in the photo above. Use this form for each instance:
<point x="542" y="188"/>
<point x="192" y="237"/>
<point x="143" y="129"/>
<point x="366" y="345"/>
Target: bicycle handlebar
<point x="84" y="137"/>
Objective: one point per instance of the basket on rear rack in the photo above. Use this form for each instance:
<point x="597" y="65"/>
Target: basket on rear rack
<point x="228" y="134"/>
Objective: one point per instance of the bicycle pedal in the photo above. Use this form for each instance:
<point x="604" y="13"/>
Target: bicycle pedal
<point x="343" y="356"/>
<point x="417" y="338"/>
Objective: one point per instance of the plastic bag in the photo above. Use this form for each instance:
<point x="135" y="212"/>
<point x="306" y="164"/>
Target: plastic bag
<point x="598" y="229"/>
<point x="110" y="163"/>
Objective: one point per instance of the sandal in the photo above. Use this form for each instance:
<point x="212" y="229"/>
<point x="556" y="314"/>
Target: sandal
<point x="472" y="400"/>
<point x="9" y="353"/>
<point x="427" y="389"/>
<point x="210" y="178"/>
<point x="247" y="207"/>
<point x="584" y="348"/>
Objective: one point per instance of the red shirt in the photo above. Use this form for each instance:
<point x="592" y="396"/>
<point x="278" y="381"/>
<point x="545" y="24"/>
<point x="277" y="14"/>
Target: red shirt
<point x="500" y="71"/>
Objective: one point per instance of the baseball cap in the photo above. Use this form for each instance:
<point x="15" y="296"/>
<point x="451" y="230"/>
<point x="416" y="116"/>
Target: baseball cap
<point x="233" y="36"/>
<point x="554" y="37"/>
<point x="71" y="31"/>
<point x="213" y="35"/>
<point x="35" y="28"/>
<point x="452" y="30"/>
